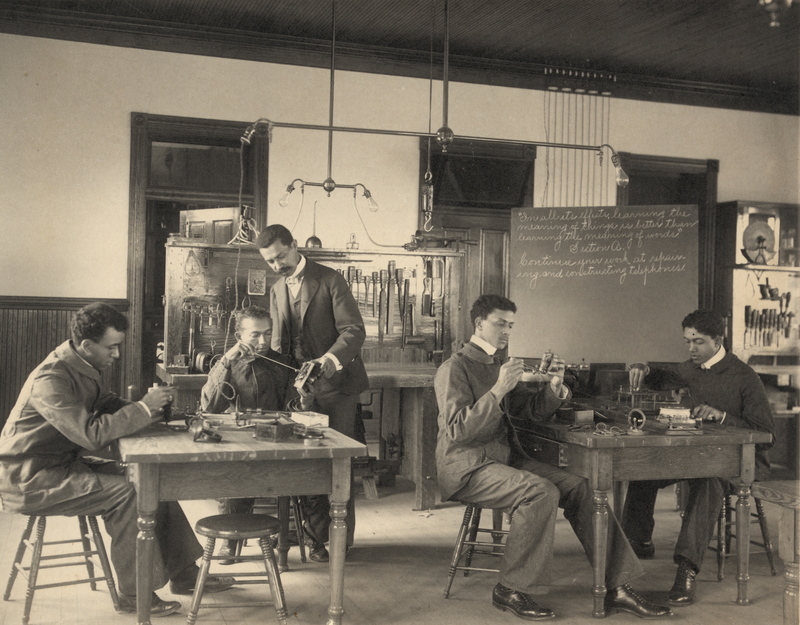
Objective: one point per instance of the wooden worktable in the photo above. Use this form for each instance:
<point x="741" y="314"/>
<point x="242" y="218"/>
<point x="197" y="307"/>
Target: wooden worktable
<point x="408" y="416"/>
<point x="167" y="465"/>
<point x="604" y="460"/>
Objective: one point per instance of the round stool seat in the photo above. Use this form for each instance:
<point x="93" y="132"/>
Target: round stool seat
<point x="238" y="526"/>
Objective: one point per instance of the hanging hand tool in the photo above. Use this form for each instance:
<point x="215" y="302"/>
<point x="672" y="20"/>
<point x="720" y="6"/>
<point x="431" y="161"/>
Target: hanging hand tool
<point x="400" y="292"/>
<point x="357" y="280"/>
<point x="390" y="297"/>
<point x="375" y="289"/>
<point x="427" y="288"/>
<point x="382" y="305"/>
<point x="746" y="326"/>
<point x="404" y="310"/>
<point x="367" y="291"/>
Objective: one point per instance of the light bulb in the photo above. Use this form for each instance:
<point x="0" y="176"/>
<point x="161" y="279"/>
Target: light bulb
<point x="371" y="203"/>
<point x="284" y="201"/>
<point x="621" y="177"/>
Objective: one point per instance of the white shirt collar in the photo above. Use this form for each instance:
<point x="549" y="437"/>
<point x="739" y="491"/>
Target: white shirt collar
<point x="300" y="267"/>
<point x="487" y="347"/>
<point x="714" y="359"/>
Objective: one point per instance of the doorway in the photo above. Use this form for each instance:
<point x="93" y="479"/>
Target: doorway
<point x="179" y="164"/>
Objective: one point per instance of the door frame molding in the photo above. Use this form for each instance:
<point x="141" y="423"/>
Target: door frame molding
<point x="146" y="128"/>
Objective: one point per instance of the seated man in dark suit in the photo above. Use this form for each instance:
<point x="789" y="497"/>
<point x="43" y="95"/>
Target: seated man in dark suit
<point x="476" y="392"/>
<point x="251" y="376"/>
<point x="61" y="413"/>
<point x="722" y="389"/>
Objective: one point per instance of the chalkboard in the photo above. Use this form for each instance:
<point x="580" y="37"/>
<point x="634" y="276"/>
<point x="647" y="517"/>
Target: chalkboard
<point x="603" y="284"/>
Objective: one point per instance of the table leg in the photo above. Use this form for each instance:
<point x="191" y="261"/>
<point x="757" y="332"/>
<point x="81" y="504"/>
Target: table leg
<point x="600" y="551"/>
<point x="338" y="537"/>
<point x="419" y="433"/>
<point x="789" y="545"/>
<point x="146" y="482"/>
<point x="742" y="542"/>
<point x="283" y="535"/>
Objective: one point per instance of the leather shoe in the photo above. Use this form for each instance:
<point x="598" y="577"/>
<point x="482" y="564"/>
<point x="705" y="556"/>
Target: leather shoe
<point x="625" y="599"/>
<point x="521" y="604"/>
<point x="644" y="550"/>
<point x="683" y="590"/>
<point x="127" y="604"/>
<point x="228" y="554"/>
<point x="185" y="582"/>
<point x="317" y="552"/>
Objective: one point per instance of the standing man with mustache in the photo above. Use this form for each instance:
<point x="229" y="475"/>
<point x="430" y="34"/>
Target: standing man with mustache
<point x="316" y="318"/>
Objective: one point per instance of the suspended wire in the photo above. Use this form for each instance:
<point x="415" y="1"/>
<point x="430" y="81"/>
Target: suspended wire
<point x="355" y="205"/>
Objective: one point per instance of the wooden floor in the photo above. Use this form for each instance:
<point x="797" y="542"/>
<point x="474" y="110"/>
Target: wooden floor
<point x="396" y="573"/>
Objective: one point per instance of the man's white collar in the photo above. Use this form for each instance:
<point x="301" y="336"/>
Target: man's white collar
<point x="487" y="347"/>
<point x="300" y="266"/>
<point x="714" y="359"/>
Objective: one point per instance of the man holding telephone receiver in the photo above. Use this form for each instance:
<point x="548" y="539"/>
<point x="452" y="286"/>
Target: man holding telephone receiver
<point x="316" y="319"/>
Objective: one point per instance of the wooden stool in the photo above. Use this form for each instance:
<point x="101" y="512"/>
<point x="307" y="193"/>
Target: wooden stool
<point x="467" y="543"/>
<point x="92" y="544"/>
<point x="724" y="534"/>
<point x="786" y="494"/>
<point x="240" y="527"/>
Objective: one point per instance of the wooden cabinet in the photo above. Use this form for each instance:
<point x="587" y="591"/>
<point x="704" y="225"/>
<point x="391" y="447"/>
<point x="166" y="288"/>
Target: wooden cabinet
<point x="756" y="282"/>
<point x="757" y="275"/>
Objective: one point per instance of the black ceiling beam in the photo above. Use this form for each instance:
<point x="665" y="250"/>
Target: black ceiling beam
<point x="253" y="46"/>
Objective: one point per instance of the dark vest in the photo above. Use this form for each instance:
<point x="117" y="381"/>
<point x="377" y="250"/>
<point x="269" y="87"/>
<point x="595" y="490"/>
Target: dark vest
<point x="296" y="327"/>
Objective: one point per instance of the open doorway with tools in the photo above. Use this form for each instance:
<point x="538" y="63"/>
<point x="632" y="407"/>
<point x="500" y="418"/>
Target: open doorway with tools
<point x="180" y="168"/>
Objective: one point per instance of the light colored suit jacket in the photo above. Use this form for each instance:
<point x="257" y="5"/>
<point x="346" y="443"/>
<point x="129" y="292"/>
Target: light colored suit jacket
<point x="331" y="323"/>
<point x="61" y="412"/>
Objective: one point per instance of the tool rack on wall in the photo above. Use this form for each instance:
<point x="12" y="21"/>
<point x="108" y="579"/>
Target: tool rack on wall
<point x="415" y="320"/>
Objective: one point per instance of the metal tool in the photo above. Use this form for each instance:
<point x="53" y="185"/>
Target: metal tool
<point x="384" y="279"/>
<point x="358" y="287"/>
<point x="375" y="289"/>
<point x="404" y="311"/>
<point x="390" y="296"/>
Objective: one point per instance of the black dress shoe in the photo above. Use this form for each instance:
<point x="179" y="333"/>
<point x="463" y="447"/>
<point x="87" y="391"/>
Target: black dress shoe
<point x="127" y="604"/>
<point x="519" y="603"/>
<point x="625" y="599"/>
<point x="644" y="551"/>
<point x="317" y="552"/>
<point x="683" y="590"/>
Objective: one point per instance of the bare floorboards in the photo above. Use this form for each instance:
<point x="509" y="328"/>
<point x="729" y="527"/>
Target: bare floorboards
<point x="397" y="571"/>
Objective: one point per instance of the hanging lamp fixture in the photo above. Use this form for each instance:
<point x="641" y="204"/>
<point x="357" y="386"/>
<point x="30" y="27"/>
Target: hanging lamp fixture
<point x="328" y="185"/>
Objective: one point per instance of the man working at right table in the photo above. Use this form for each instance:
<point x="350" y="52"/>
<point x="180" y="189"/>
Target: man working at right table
<point x="476" y="391"/>
<point x="723" y="390"/>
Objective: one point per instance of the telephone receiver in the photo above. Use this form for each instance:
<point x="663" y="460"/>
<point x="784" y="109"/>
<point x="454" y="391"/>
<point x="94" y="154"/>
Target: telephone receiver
<point x="308" y="374"/>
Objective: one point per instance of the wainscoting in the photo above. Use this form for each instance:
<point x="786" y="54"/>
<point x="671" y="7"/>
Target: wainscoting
<point x="30" y="328"/>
